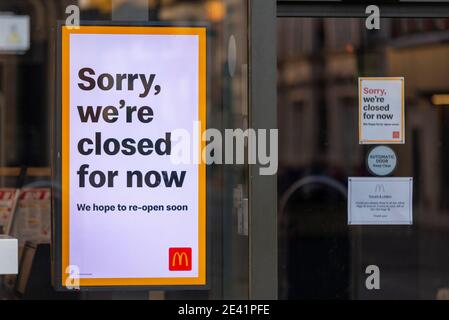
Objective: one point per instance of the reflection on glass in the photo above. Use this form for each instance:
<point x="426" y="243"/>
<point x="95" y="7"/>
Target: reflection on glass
<point x="319" y="62"/>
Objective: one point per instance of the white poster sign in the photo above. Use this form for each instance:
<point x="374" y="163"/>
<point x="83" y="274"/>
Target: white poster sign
<point x="14" y="33"/>
<point x="131" y="217"/>
<point x="380" y="201"/>
<point x="381" y="111"/>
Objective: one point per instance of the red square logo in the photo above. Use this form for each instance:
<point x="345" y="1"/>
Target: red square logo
<point x="396" y="134"/>
<point x="180" y="259"/>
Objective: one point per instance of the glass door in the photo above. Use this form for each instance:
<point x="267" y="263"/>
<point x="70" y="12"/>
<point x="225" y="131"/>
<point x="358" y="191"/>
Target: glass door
<point x="320" y="60"/>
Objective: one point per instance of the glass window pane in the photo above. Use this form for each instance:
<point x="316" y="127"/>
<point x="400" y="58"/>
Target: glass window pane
<point x="27" y="105"/>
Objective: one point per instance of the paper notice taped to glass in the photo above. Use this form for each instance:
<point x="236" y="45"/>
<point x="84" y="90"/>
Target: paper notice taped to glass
<point x="378" y="201"/>
<point x="381" y="110"/>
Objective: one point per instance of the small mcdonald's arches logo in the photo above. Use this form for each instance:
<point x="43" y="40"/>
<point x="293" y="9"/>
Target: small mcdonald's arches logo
<point x="180" y="259"/>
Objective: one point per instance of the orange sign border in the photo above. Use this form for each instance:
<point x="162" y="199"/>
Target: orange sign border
<point x="392" y="141"/>
<point x="201" y="32"/>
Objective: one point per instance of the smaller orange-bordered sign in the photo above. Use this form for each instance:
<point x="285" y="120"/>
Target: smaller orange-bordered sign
<point x="381" y="110"/>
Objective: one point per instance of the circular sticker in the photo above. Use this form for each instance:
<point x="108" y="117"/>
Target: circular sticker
<point x="381" y="161"/>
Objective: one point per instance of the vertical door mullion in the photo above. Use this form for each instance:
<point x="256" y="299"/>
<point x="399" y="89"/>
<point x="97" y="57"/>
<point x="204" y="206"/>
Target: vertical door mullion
<point x="263" y="115"/>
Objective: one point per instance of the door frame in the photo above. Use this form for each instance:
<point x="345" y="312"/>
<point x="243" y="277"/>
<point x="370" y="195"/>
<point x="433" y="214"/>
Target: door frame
<point x="342" y="8"/>
<point x="263" y="256"/>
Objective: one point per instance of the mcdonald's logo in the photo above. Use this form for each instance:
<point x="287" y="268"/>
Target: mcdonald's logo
<point x="180" y="259"/>
<point x="379" y="188"/>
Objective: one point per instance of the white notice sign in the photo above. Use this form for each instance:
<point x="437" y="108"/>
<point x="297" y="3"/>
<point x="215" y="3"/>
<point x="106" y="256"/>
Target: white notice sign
<point x="14" y="33"/>
<point x="381" y="110"/>
<point x="380" y="201"/>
